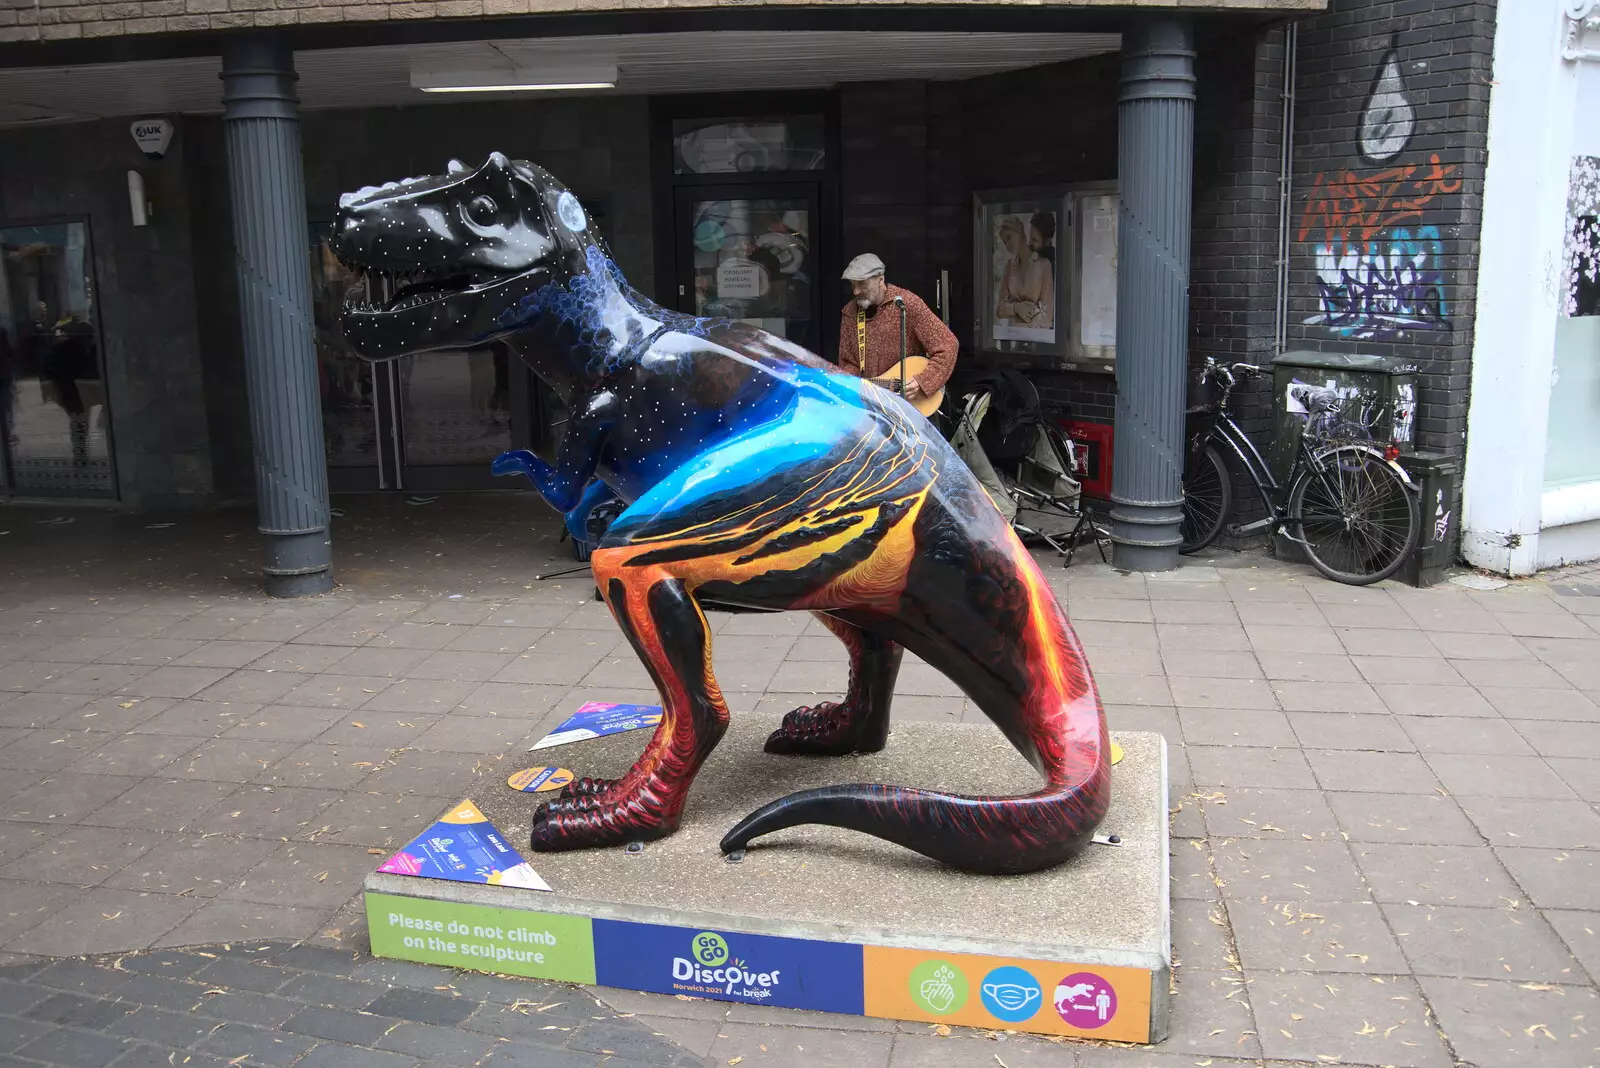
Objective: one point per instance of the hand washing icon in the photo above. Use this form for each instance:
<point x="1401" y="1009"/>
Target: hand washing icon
<point x="938" y="991"/>
<point x="1011" y="996"/>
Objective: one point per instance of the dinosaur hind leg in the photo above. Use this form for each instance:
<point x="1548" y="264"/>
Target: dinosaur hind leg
<point x="669" y="632"/>
<point x="860" y="722"/>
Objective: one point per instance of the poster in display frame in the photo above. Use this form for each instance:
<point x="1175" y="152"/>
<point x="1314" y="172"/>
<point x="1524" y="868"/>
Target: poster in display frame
<point x="1044" y="270"/>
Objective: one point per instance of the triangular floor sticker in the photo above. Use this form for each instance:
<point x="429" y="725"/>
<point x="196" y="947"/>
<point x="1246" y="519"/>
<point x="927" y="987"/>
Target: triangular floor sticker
<point x="464" y="847"/>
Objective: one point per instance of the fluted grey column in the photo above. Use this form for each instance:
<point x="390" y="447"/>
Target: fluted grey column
<point x="261" y="120"/>
<point x="1155" y="165"/>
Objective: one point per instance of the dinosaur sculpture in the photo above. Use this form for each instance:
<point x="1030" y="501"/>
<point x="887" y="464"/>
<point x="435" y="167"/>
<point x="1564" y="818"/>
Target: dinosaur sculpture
<point x="756" y="477"/>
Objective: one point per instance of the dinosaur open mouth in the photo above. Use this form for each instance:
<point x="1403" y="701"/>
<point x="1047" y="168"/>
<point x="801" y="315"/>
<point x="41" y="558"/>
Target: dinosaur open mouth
<point x="373" y="291"/>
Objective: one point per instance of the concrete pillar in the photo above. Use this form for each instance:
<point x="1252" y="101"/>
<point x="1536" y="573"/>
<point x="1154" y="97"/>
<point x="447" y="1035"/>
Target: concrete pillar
<point x="262" y="129"/>
<point x="1155" y="165"/>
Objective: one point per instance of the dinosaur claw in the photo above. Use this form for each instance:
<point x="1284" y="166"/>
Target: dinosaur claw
<point x="832" y="728"/>
<point x="598" y="824"/>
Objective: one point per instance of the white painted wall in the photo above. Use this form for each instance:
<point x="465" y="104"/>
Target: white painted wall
<point x="1532" y="116"/>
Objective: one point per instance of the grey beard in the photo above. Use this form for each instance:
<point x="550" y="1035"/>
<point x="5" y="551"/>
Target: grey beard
<point x="865" y="303"/>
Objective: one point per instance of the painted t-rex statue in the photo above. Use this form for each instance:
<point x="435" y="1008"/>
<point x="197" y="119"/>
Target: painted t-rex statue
<point x="756" y="476"/>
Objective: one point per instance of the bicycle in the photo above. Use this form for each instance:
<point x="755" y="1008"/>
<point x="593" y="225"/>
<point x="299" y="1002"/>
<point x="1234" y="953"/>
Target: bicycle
<point x="1346" y="500"/>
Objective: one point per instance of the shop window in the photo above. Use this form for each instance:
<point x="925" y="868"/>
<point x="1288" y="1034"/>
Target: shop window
<point x="1572" y="451"/>
<point x="54" y="418"/>
<point x="748" y="145"/>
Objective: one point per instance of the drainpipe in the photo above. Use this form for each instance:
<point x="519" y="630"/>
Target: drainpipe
<point x="1291" y="40"/>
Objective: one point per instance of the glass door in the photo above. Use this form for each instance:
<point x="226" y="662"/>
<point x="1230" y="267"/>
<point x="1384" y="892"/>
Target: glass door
<point x="434" y="421"/>
<point x="748" y="252"/>
<point x="55" y="424"/>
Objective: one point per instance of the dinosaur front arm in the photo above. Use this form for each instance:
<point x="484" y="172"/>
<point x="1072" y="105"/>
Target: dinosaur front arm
<point x="563" y="485"/>
<point x="577" y="520"/>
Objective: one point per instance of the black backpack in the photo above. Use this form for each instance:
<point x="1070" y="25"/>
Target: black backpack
<point x="1011" y="425"/>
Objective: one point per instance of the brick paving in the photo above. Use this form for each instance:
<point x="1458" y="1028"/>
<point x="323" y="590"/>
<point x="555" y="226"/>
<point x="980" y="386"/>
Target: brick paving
<point x="281" y="1003"/>
<point x="1386" y="801"/>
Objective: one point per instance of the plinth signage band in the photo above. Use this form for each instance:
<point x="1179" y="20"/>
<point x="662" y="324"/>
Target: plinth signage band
<point x="1045" y="997"/>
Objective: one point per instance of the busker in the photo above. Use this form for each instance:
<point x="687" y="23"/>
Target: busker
<point x="870" y="335"/>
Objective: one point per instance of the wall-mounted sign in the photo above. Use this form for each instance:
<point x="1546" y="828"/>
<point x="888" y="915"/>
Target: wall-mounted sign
<point x="152" y="136"/>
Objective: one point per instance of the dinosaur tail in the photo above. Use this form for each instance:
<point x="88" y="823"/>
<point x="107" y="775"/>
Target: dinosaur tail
<point x="987" y="835"/>
<point x="1058" y="723"/>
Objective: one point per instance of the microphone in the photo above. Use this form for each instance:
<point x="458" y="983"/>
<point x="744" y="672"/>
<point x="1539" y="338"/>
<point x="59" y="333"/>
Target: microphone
<point x="901" y="301"/>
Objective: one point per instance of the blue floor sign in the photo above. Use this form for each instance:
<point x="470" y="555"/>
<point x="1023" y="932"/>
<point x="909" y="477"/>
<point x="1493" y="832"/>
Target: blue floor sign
<point x="759" y="969"/>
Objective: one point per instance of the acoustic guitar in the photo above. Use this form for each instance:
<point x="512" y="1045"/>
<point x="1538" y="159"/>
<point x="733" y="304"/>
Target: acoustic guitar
<point x="914" y="366"/>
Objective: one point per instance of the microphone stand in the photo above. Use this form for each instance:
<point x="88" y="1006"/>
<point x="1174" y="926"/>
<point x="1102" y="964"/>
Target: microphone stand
<point x="901" y="304"/>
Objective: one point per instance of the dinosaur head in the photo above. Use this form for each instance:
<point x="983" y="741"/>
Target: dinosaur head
<point x="445" y="259"/>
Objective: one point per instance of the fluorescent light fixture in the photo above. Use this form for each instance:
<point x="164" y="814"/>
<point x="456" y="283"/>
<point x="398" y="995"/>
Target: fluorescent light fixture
<point x="564" y="76"/>
<point x="542" y="87"/>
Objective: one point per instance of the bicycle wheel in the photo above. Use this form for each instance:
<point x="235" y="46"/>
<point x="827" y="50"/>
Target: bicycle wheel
<point x="1207" y="497"/>
<point x="1356" y="517"/>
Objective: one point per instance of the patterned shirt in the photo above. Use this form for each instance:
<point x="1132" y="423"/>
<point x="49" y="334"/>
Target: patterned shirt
<point x="926" y="336"/>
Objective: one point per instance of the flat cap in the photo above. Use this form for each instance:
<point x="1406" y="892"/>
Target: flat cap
<point x="863" y="267"/>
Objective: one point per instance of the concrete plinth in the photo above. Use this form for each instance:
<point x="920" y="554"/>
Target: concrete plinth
<point x="828" y="918"/>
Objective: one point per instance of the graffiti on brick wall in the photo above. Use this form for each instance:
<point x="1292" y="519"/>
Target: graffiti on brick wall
<point x="1379" y="267"/>
<point x="1385" y="287"/>
<point x="1378" y="259"/>
<point x="1355" y="208"/>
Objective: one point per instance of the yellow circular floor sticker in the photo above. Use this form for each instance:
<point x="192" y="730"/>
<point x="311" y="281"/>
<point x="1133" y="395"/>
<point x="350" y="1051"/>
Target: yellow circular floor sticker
<point x="1116" y="753"/>
<point x="538" y="780"/>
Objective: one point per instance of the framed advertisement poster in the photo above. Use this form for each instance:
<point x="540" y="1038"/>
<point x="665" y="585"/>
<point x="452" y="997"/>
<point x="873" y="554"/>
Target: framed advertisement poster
<point x="1046" y="274"/>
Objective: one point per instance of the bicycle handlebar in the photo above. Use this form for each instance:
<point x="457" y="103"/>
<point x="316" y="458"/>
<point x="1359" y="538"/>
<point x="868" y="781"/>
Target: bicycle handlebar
<point x="1227" y="374"/>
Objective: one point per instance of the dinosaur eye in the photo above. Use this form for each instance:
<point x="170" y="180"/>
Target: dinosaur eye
<point x="570" y="212"/>
<point x="483" y="211"/>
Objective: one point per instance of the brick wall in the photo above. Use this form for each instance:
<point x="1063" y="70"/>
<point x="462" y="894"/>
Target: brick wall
<point x="1385" y="225"/>
<point x="35" y="20"/>
<point x="1234" y="251"/>
<point x="887" y="179"/>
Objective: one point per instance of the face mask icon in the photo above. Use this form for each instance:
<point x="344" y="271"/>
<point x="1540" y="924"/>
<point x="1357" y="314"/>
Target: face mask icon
<point x="1011" y="996"/>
